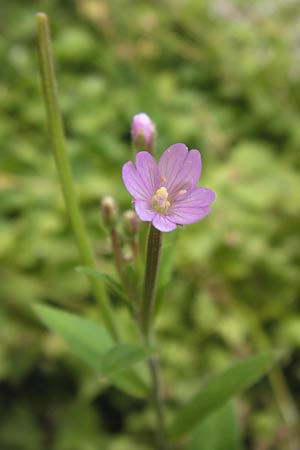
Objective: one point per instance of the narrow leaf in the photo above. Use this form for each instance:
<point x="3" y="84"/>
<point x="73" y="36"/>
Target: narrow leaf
<point x="91" y="343"/>
<point x="219" y="390"/>
<point x="111" y="283"/>
<point x="132" y="381"/>
<point x="219" y="431"/>
<point x="87" y="339"/>
<point x="122" y="356"/>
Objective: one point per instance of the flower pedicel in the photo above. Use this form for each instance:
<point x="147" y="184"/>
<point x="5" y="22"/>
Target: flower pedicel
<point x="166" y="193"/>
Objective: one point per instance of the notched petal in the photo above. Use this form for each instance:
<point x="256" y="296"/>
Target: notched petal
<point x="188" y="175"/>
<point x="171" y="163"/>
<point x="179" y="168"/>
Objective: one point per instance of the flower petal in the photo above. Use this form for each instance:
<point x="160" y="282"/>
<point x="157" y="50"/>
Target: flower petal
<point x="143" y="210"/>
<point x="162" y="223"/>
<point x="148" y="171"/>
<point x="171" y="162"/>
<point x="180" y="169"/>
<point x="191" y="207"/>
<point x="141" y="180"/>
<point x="133" y="182"/>
<point x="189" y="174"/>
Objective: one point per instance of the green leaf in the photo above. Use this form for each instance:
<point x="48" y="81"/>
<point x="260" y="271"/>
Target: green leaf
<point x="93" y="345"/>
<point x="219" y="390"/>
<point x="132" y="381"/>
<point x="219" y="431"/>
<point x="87" y="339"/>
<point x="111" y="283"/>
<point x="121" y="356"/>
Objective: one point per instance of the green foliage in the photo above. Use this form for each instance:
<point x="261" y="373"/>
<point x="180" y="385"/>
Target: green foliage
<point x="109" y="281"/>
<point x="92" y="343"/>
<point x="88" y="340"/>
<point x="222" y="76"/>
<point x="219" y="390"/>
<point x="220" y="431"/>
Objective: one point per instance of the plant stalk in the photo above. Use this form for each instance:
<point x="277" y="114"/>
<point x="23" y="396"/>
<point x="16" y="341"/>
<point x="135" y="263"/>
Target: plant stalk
<point x="147" y="308"/>
<point x="150" y="279"/>
<point x="158" y="402"/>
<point x="56" y="130"/>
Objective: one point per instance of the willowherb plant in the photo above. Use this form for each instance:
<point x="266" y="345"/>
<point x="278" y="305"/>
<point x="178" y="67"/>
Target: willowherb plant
<point x="165" y="195"/>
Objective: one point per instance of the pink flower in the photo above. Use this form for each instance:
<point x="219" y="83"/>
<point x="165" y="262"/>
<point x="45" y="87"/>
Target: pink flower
<point x="166" y="193"/>
<point x="143" y="127"/>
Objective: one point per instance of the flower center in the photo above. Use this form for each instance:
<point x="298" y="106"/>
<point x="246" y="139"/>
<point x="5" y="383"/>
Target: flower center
<point x="160" y="200"/>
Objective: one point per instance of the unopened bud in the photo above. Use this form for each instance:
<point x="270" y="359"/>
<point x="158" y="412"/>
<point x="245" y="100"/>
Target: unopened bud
<point x="131" y="223"/>
<point x="143" y="133"/>
<point x="110" y="211"/>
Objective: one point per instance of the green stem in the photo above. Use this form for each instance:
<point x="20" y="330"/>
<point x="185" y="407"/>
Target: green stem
<point x="151" y="270"/>
<point x="62" y="163"/>
<point x="147" y="307"/>
<point x="158" y="402"/>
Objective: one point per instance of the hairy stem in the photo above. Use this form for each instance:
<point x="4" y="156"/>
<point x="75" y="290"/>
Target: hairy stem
<point x="147" y="307"/>
<point x="56" y="130"/>
<point x="150" y="279"/>
<point x="158" y="402"/>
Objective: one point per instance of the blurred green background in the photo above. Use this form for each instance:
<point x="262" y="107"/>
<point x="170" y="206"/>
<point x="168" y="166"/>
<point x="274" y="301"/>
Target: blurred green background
<point x="222" y="76"/>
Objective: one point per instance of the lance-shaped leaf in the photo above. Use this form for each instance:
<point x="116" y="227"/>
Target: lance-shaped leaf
<point x="92" y="344"/>
<point x="121" y="356"/>
<point x="104" y="277"/>
<point x="219" y="431"/>
<point x="219" y="390"/>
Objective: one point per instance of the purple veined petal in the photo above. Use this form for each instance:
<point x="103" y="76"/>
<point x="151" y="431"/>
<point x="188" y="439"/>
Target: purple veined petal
<point x="162" y="223"/>
<point x="171" y="162"/>
<point x="133" y="182"/>
<point x="204" y="196"/>
<point x="180" y="169"/>
<point x="184" y="217"/>
<point x="192" y="206"/>
<point x="148" y="171"/>
<point x="144" y="210"/>
<point x="189" y="174"/>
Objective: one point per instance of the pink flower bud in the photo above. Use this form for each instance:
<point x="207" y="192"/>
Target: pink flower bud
<point x="143" y="132"/>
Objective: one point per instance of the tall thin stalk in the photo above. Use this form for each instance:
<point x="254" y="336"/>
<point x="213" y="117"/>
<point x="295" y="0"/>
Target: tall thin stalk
<point x="150" y="279"/>
<point x="56" y="130"/>
<point x="147" y="308"/>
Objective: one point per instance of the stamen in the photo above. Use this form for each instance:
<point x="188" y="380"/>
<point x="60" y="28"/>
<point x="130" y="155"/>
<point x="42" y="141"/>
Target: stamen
<point x="160" y="200"/>
<point x="182" y="191"/>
